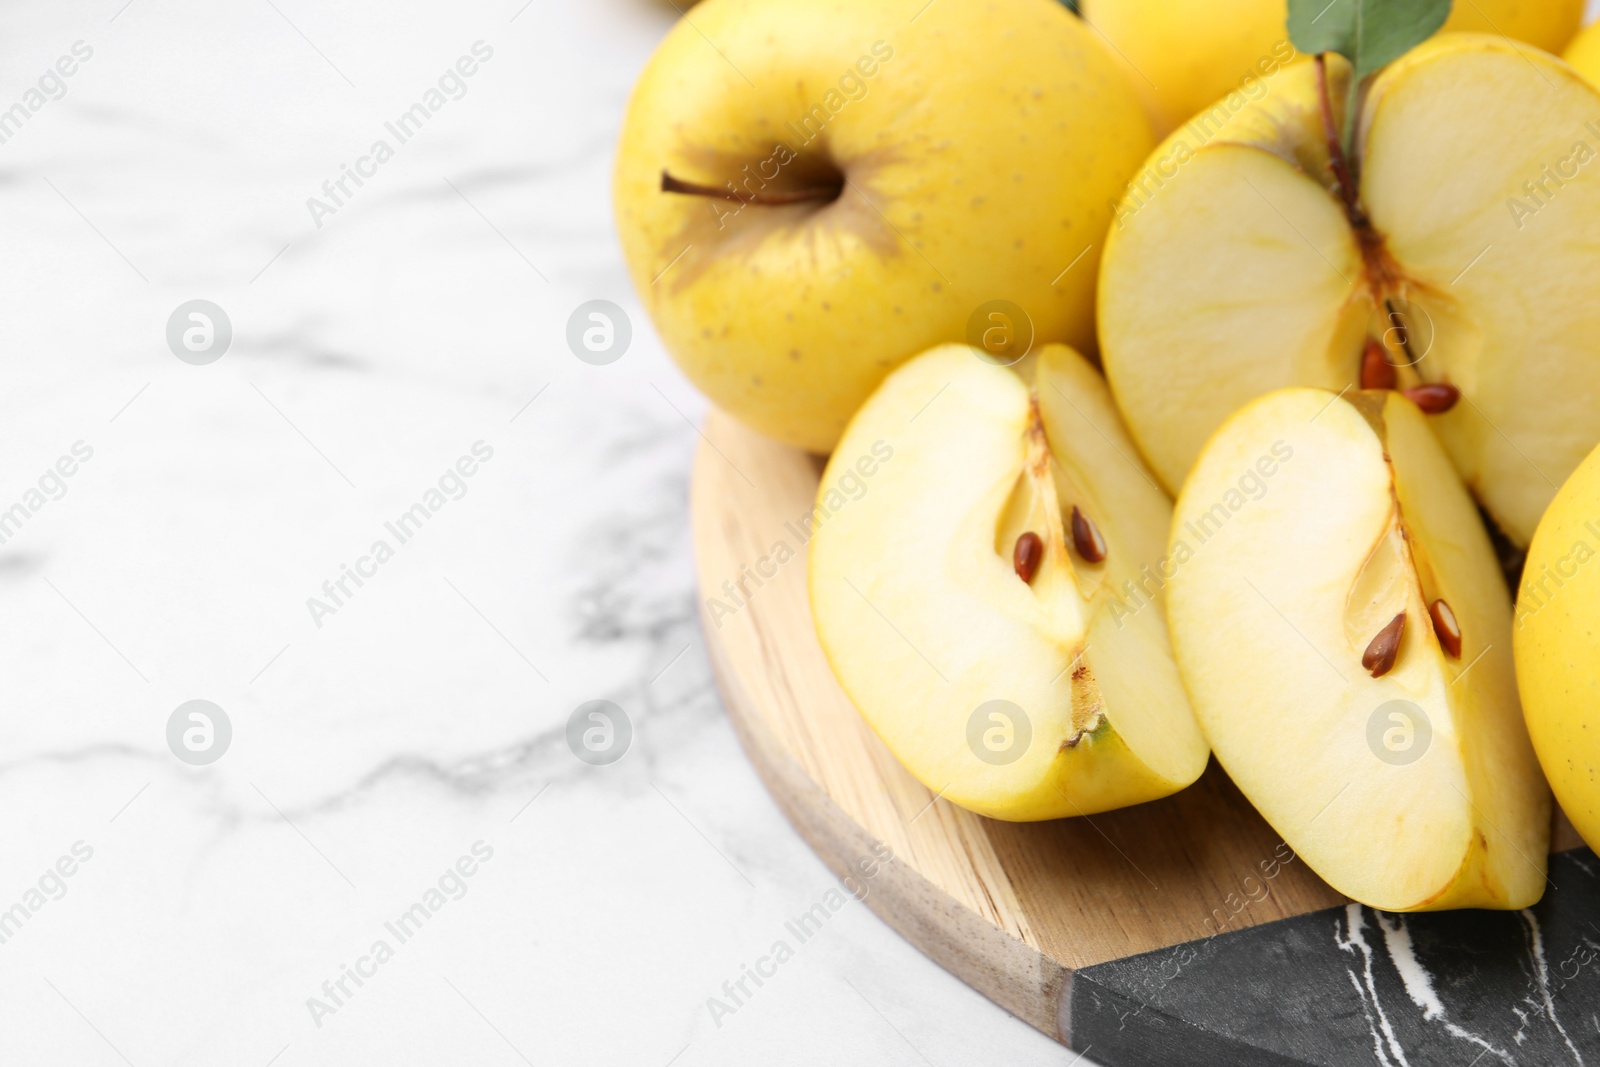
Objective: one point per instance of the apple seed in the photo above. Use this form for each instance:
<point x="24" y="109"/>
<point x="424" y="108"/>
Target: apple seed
<point x="1376" y="370"/>
<point x="1435" y="398"/>
<point x="1027" y="556"/>
<point x="1380" y="654"/>
<point x="1086" y="537"/>
<point x="1446" y="627"/>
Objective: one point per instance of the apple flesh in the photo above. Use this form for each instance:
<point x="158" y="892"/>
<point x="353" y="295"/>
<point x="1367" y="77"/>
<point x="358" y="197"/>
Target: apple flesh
<point x="889" y="167"/>
<point x="1017" y="699"/>
<point x="1390" y="755"/>
<point x="1237" y="267"/>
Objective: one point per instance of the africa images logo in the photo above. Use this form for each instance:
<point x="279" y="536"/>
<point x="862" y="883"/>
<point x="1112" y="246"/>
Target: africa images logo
<point x="337" y="592"/>
<point x="452" y="85"/>
<point x="850" y="486"/>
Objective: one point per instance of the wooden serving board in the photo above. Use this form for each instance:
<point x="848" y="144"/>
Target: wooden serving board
<point x="1182" y="931"/>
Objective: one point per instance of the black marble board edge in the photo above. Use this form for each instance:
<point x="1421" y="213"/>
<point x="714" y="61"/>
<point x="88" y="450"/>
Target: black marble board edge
<point x="1352" y="986"/>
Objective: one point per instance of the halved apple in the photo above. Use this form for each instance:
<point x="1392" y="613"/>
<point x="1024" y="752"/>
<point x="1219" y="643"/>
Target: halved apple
<point x="1345" y="633"/>
<point x="980" y="602"/>
<point x="1465" y="250"/>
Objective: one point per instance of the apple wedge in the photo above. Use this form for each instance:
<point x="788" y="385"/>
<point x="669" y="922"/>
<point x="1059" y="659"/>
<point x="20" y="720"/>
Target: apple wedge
<point x="1344" y="630"/>
<point x="980" y="603"/>
<point x="1463" y="256"/>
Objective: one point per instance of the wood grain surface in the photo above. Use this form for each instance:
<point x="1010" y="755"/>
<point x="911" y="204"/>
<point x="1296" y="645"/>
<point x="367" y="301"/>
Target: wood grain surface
<point x="1010" y="908"/>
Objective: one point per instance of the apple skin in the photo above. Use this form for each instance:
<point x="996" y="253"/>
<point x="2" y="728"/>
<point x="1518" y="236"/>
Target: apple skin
<point x="1209" y="296"/>
<point x="1556" y="638"/>
<point x="931" y="545"/>
<point x="982" y="155"/>
<point x="1546" y="24"/>
<point x="1280" y="587"/>
<point x="1184" y="55"/>
<point x="1584" y="54"/>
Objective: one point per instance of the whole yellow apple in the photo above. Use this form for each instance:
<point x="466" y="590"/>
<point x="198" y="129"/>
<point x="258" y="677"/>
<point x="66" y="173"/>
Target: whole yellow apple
<point x="1556" y="637"/>
<point x="1584" y="54"/>
<point x="1182" y="56"/>
<point x="1547" y="24"/>
<point x="851" y="182"/>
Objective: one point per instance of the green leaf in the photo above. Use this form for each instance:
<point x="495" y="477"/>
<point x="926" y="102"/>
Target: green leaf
<point x="1371" y="34"/>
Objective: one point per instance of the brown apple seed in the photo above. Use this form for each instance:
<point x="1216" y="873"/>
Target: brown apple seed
<point x="1435" y="398"/>
<point x="1380" y="654"/>
<point x="1446" y="627"/>
<point x="1086" y="537"/>
<point x="1376" y="370"/>
<point x="1027" y="556"/>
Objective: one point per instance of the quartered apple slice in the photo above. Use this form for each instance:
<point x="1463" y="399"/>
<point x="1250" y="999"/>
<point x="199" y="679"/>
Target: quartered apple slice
<point x="1345" y="633"/>
<point x="991" y="601"/>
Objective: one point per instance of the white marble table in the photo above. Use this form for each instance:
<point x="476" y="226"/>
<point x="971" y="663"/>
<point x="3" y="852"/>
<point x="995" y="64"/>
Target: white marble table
<point x="375" y="745"/>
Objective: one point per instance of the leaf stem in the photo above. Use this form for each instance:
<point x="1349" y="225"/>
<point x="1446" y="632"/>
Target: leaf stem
<point x="1338" y="162"/>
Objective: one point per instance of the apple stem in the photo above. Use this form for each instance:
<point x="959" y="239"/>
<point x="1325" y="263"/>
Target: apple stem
<point x="1337" y="161"/>
<point x="823" y="193"/>
<point x="1370" y="240"/>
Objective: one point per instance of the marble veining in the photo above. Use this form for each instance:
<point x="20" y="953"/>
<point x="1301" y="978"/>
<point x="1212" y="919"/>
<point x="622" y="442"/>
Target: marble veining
<point x="1353" y="986"/>
<point x="1354" y="941"/>
<point x="426" y="719"/>
<point x="1419" y="982"/>
<point x="210" y="908"/>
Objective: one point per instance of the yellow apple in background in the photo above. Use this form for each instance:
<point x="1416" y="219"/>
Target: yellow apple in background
<point x="1469" y="259"/>
<point x="1182" y="56"/>
<point x="1584" y="54"/>
<point x="1344" y="631"/>
<point x="933" y="158"/>
<point x="1546" y="24"/>
<point x="1557" y="640"/>
<point x="976" y="587"/>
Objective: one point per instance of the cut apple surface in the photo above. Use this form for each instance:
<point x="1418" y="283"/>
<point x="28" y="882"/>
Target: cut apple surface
<point x="1344" y="631"/>
<point x="981" y="601"/>
<point x="1237" y="266"/>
